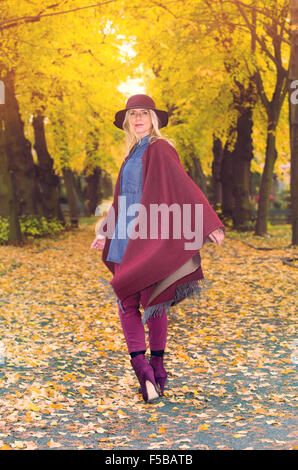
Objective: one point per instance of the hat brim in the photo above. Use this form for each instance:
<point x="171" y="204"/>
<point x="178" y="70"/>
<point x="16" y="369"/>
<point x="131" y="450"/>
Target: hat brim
<point x="162" y="115"/>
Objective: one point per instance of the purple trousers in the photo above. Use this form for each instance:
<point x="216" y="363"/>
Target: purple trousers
<point x="133" y="328"/>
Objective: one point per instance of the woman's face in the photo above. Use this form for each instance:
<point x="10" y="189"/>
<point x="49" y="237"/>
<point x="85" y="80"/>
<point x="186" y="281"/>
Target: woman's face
<point x="140" y="121"/>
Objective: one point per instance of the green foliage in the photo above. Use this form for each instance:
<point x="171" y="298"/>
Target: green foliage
<point x="31" y="227"/>
<point x="34" y="227"/>
<point x="4" y="229"/>
<point x="227" y="221"/>
<point x="282" y="200"/>
<point x="248" y="226"/>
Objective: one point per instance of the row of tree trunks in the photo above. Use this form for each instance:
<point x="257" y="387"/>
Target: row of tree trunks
<point x="232" y="166"/>
<point x="27" y="188"/>
<point x="32" y="189"/>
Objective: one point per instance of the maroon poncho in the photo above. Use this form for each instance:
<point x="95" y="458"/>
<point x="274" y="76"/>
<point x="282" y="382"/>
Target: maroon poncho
<point x="163" y="263"/>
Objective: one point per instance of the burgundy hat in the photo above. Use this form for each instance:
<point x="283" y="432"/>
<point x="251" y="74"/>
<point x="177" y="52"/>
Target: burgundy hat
<point x="143" y="102"/>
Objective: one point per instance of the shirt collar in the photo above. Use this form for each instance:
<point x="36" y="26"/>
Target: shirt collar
<point x="143" y="141"/>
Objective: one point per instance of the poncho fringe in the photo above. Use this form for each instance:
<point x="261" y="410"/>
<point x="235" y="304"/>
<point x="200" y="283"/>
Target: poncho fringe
<point x="183" y="291"/>
<point x="187" y="290"/>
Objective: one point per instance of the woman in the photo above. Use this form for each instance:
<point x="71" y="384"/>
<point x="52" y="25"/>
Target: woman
<point x="160" y="269"/>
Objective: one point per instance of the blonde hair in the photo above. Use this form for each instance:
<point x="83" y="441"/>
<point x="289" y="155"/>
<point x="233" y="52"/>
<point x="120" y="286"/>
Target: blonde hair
<point x="132" y="138"/>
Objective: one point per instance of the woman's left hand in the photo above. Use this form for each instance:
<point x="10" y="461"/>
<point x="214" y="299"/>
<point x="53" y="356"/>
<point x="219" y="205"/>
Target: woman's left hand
<point x="217" y="236"/>
<point x="98" y="243"/>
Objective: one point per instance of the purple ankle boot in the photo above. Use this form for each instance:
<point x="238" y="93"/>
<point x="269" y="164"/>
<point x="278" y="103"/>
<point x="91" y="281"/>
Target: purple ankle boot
<point x="145" y="375"/>
<point x="160" y="373"/>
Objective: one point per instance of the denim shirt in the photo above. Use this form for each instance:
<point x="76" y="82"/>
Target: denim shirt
<point x="131" y="182"/>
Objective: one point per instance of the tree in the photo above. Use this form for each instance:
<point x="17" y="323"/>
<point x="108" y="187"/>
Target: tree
<point x="47" y="179"/>
<point x="8" y="206"/>
<point x="293" y="112"/>
<point x="18" y="153"/>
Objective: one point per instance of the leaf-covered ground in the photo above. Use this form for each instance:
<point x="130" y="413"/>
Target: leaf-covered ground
<point x="67" y="382"/>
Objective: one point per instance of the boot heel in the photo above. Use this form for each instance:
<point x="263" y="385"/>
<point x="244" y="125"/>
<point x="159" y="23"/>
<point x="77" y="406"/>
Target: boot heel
<point x="161" y="381"/>
<point x="145" y="375"/>
<point x="160" y="374"/>
<point x="151" y="391"/>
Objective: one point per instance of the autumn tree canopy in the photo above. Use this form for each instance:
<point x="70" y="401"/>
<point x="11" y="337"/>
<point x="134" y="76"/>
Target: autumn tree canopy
<point x="210" y="64"/>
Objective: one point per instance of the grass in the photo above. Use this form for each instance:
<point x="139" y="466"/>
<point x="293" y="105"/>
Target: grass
<point x="277" y="236"/>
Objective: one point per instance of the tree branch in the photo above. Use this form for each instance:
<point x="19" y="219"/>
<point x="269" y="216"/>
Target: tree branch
<point x="260" y="87"/>
<point x="12" y="23"/>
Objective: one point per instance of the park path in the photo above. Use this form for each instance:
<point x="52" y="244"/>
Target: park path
<point x="67" y="381"/>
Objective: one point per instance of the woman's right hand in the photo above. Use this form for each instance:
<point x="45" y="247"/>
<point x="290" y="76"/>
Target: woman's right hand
<point x="98" y="243"/>
<point x="217" y="236"/>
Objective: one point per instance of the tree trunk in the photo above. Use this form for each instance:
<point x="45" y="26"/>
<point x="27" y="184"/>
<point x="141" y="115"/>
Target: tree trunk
<point x="79" y="195"/>
<point x="71" y="197"/>
<point x="273" y="109"/>
<point x="226" y="176"/>
<point x="8" y="206"/>
<point x="266" y="182"/>
<point x="198" y="175"/>
<point x="93" y="190"/>
<point x="19" y="154"/>
<point x="107" y="185"/>
<point x="293" y="114"/>
<point x="243" y="154"/>
<point x="194" y="170"/>
<point x="47" y="179"/>
<point x="216" y="169"/>
<point x="193" y="166"/>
